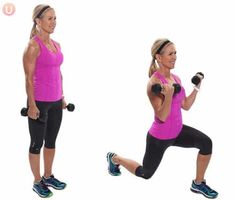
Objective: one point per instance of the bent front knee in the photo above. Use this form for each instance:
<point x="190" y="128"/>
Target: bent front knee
<point x="206" y="148"/>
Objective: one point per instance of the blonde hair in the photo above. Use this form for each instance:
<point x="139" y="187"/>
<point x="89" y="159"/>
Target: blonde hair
<point x="157" y="48"/>
<point x="38" y="12"/>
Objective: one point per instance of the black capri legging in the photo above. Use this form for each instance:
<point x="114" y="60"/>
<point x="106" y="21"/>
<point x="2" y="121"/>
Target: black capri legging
<point x="47" y="127"/>
<point x="155" y="148"/>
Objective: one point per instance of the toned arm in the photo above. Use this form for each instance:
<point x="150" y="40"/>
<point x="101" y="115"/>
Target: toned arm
<point x="29" y="59"/>
<point x="161" y="103"/>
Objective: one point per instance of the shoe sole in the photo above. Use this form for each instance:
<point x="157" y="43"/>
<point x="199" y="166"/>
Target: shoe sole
<point x="200" y="192"/>
<point x="57" y="188"/>
<point x="42" y="196"/>
<point x="114" y="174"/>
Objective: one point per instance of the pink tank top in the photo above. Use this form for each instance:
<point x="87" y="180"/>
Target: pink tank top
<point x="171" y="128"/>
<point x="47" y="75"/>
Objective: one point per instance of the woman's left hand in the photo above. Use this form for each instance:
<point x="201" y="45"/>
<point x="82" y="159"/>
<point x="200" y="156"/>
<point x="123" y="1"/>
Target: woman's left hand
<point x="64" y="104"/>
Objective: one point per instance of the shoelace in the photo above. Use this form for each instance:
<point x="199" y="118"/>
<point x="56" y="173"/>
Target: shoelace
<point x="206" y="188"/>
<point x="42" y="185"/>
<point x="55" y="181"/>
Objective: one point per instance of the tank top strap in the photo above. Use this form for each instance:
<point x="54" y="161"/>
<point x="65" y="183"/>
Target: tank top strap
<point x="37" y="39"/>
<point x="56" y="45"/>
<point x="177" y="80"/>
<point x="160" y="77"/>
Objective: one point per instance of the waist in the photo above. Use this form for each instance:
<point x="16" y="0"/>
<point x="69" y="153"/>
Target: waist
<point x="164" y="133"/>
<point x="169" y="129"/>
<point x="45" y="90"/>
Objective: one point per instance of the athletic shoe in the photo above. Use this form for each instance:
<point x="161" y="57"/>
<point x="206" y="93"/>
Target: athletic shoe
<point x="53" y="182"/>
<point x="42" y="190"/>
<point x="204" y="189"/>
<point x="113" y="168"/>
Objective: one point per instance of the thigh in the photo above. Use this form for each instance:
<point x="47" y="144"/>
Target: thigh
<point x="54" y="118"/>
<point x="37" y="128"/>
<point x="190" y="137"/>
<point x="155" y="150"/>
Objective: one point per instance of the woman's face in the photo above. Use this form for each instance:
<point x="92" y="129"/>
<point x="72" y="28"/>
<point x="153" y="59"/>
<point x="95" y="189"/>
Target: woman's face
<point x="48" y="22"/>
<point x="168" y="57"/>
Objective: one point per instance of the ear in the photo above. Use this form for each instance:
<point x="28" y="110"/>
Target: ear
<point x="158" y="57"/>
<point x="38" y="21"/>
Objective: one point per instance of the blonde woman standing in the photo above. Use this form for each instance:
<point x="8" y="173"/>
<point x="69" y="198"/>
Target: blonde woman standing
<point x="42" y="60"/>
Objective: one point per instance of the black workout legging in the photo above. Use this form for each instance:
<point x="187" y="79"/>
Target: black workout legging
<point x="47" y="127"/>
<point x="155" y="148"/>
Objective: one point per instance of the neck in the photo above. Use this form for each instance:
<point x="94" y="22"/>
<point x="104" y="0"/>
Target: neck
<point x="165" y="72"/>
<point x="44" y="37"/>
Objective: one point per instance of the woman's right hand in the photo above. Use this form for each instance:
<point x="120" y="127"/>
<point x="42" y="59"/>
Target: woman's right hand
<point x="167" y="90"/>
<point x="33" y="112"/>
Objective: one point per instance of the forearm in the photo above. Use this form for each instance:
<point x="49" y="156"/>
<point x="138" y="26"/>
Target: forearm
<point x="30" y="92"/>
<point x="188" y="102"/>
<point x="165" y="109"/>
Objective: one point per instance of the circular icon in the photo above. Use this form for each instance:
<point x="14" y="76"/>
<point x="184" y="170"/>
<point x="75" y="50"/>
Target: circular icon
<point x="8" y="9"/>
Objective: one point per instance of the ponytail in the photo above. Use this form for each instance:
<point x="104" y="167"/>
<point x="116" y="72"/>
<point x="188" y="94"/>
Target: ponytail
<point x="33" y="31"/>
<point x="153" y="67"/>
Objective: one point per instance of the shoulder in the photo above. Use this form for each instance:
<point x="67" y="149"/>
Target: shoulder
<point x="33" y="45"/>
<point x="152" y="81"/>
<point x="155" y="78"/>
<point x="32" y="48"/>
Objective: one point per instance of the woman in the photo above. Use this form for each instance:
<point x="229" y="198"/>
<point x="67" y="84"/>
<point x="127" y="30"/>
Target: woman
<point x="42" y="59"/>
<point x="167" y="129"/>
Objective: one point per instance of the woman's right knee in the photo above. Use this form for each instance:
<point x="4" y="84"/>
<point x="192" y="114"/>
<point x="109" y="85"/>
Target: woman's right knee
<point x="140" y="172"/>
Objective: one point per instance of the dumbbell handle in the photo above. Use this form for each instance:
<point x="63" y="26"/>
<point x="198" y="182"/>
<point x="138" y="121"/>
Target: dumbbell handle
<point x="157" y="88"/>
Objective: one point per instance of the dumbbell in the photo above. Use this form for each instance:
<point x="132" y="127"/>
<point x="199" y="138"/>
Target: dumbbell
<point x="24" y="111"/>
<point x="157" y="88"/>
<point x="70" y="107"/>
<point x="196" y="79"/>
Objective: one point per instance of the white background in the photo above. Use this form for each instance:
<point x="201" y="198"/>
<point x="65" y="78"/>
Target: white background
<point x="106" y="46"/>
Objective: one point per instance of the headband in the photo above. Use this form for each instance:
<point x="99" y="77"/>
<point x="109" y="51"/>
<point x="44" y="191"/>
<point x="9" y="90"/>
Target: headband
<point x="41" y="11"/>
<point x="162" y="46"/>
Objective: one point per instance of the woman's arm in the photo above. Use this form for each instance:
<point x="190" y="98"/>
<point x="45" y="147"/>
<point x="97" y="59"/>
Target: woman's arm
<point x="29" y="59"/>
<point x="161" y="102"/>
<point x="189" y="100"/>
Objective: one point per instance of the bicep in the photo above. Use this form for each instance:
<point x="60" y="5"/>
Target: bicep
<point x="155" y="99"/>
<point x="183" y="104"/>
<point x="29" y="59"/>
